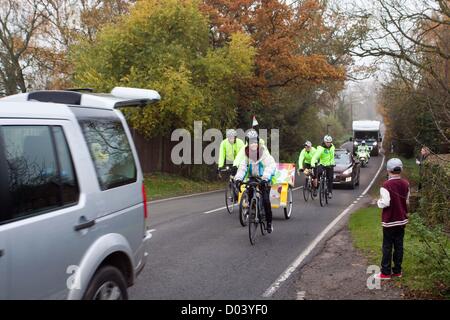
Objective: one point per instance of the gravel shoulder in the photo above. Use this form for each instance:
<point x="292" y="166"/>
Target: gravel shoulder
<point x="339" y="272"/>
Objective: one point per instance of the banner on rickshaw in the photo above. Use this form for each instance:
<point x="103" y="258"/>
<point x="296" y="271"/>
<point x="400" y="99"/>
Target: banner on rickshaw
<point x="285" y="173"/>
<point x="284" y="176"/>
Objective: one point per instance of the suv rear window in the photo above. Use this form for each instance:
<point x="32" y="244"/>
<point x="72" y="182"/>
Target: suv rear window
<point x="36" y="171"/>
<point x="109" y="147"/>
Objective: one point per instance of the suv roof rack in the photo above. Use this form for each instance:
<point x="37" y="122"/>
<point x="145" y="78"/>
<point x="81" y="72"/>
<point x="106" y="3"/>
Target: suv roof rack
<point x="119" y="97"/>
<point x="80" y="89"/>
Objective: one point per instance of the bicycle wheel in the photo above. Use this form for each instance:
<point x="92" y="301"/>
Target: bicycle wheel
<point x="262" y="225"/>
<point x="253" y="221"/>
<point x="229" y="197"/>
<point x="262" y="219"/>
<point x="306" y="190"/>
<point x="325" y="183"/>
<point x="311" y="189"/>
<point x="321" y="193"/>
<point x="289" y="204"/>
<point x="244" y="209"/>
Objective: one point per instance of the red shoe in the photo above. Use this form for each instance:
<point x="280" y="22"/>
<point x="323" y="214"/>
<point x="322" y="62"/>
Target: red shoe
<point x="382" y="276"/>
<point x="398" y="275"/>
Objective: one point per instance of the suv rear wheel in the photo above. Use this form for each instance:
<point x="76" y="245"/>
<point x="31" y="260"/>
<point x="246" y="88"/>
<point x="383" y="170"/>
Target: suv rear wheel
<point x="108" y="283"/>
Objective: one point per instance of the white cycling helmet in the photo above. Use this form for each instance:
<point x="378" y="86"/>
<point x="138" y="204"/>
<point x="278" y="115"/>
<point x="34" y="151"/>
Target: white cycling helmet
<point x="252" y="136"/>
<point x="308" y="144"/>
<point x="363" y="142"/>
<point x="327" y="138"/>
<point x="231" y="133"/>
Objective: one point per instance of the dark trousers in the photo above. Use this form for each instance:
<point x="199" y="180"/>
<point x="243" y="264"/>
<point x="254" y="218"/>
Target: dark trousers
<point x="329" y="172"/>
<point x="266" y="202"/>
<point x="392" y="239"/>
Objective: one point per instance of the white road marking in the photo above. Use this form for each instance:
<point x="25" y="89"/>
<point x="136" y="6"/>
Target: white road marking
<point x="294" y="265"/>
<point x="181" y="197"/>
<point x="214" y="210"/>
<point x="301" y="295"/>
<point x="373" y="180"/>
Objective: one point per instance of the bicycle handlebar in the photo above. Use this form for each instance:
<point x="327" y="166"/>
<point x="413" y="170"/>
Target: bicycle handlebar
<point x="228" y="169"/>
<point x="321" y="165"/>
<point x="255" y="181"/>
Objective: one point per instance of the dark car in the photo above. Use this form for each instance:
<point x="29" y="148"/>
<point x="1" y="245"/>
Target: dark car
<point x="347" y="169"/>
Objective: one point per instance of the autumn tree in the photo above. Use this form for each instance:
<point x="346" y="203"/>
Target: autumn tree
<point x="163" y="45"/>
<point x="36" y="36"/>
<point x="19" y="23"/>
<point x="302" y="59"/>
<point x="68" y="22"/>
<point x="414" y="37"/>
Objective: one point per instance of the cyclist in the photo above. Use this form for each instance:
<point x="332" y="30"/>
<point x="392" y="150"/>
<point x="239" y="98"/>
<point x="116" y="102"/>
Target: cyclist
<point x="304" y="160"/>
<point x="325" y="156"/>
<point x="241" y="155"/>
<point x="229" y="149"/>
<point x="259" y="163"/>
<point x="363" y="148"/>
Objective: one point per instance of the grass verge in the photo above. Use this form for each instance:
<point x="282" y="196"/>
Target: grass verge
<point x="425" y="260"/>
<point x="164" y="185"/>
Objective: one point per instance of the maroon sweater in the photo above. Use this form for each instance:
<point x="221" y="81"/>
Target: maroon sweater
<point x="397" y="212"/>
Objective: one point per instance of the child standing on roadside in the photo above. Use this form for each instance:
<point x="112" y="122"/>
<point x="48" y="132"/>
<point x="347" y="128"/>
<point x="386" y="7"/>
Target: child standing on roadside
<point x="394" y="198"/>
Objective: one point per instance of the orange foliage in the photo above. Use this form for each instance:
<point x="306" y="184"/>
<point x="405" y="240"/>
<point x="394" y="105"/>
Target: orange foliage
<point x="282" y="35"/>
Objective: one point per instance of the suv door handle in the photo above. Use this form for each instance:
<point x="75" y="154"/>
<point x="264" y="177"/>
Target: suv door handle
<point x="84" y="225"/>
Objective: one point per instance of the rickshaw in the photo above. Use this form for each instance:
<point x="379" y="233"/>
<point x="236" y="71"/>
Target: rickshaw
<point x="281" y="195"/>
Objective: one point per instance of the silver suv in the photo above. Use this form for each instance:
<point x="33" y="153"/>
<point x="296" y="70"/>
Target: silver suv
<point x="73" y="211"/>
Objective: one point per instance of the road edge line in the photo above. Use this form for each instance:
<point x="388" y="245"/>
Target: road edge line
<point x="294" y="265"/>
<point x="185" y="196"/>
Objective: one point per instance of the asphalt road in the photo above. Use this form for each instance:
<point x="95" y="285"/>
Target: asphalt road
<point x="198" y="255"/>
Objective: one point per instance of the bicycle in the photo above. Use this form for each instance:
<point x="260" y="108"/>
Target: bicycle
<point x="255" y="216"/>
<point x="323" y="187"/>
<point x="231" y="192"/>
<point x="308" y="188"/>
<point x="243" y="209"/>
<point x="289" y="203"/>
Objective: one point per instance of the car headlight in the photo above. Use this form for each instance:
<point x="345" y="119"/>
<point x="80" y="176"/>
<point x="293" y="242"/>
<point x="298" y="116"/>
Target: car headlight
<point x="355" y="143"/>
<point x="348" y="171"/>
<point x="375" y="143"/>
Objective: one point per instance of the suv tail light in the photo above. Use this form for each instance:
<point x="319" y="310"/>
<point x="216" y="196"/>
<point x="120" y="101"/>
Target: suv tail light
<point x="144" y="199"/>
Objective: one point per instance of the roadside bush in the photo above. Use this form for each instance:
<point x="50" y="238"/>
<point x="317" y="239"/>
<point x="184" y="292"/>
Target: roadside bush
<point x="432" y="255"/>
<point x="434" y="204"/>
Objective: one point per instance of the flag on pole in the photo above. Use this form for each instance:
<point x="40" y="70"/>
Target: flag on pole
<point x="255" y="122"/>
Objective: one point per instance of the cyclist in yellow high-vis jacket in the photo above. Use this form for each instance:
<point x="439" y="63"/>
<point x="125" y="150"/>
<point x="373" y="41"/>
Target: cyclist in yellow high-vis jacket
<point x="229" y="149"/>
<point x="324" y="159"/>
<point x="305" y="157"/>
